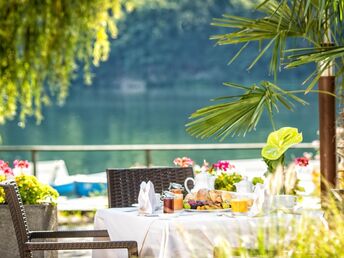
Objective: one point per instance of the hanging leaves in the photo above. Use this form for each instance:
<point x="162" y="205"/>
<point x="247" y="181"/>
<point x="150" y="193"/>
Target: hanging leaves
<point x="42" y="43"/>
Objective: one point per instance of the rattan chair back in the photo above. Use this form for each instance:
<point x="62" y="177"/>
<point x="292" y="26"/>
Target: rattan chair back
<point x="18" y="215"/>
<point x="123" y="185"/>
<point x="24" y="237"/>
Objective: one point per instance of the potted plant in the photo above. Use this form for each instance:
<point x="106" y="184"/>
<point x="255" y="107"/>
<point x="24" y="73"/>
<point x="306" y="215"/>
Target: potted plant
<point x="40" y="206"/>
<point x="283" y="182"/>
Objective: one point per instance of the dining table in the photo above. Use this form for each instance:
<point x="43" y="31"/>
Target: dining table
<point x="184" y="233"/>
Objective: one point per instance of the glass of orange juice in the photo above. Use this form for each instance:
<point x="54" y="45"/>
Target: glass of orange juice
<point x="240" y="205"/>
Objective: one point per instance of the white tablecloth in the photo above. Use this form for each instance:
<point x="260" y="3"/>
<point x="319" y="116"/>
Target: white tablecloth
<point x="183" y="234"/>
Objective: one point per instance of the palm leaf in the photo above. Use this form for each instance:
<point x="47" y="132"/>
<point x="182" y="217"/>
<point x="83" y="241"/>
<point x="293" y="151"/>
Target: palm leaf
<point x="241" y="115"/>
<point x="310" y="55"/>
<point x="280" y="21"/>
<point x="284" y="19"/>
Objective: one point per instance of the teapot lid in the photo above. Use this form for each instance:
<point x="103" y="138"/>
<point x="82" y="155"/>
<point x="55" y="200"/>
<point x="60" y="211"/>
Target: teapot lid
<point x="175" y="186"/>
<point x="167" y="194"/>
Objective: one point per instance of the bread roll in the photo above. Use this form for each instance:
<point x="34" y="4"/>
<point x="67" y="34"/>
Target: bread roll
<point x="202" y="195"/>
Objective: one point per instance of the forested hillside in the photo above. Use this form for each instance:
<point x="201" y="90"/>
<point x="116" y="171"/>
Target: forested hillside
<point x="164" y="43"/>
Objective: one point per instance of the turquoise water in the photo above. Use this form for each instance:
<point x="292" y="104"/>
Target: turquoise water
<point x="167" y="54"/>
<point x="159" y="115"/>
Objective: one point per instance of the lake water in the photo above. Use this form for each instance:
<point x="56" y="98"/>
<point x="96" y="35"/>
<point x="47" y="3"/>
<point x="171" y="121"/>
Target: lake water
<point x="154" y="116"/>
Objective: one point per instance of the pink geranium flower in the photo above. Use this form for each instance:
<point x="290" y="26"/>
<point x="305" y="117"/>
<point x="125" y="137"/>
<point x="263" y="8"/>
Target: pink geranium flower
<point x="183" y="162"/>
<point x="223" y="165"/>
<point x="5" y="169"/>
<point x="8" y="171"/>
<point x="20" y="164"/>
<point x="301" y="161"/>
<point x="3" y="163"/>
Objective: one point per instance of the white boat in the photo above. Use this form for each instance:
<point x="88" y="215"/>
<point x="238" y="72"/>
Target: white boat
<point x="55" y="173"/>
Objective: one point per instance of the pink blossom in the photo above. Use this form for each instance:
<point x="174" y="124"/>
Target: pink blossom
<point x="223" y="165"/>
<point x="21" y="163"/>
<point x="3" y="163"/>
<point x="301" y="161"/>
<point x="183" y="162"/>
<point x="8" y="171"/>
<point x="5" y="168"/>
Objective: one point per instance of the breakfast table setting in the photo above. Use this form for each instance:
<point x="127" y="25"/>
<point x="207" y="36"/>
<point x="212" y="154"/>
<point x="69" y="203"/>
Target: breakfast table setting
<point x="183" y="234"/>
<point x="184" y="222"/>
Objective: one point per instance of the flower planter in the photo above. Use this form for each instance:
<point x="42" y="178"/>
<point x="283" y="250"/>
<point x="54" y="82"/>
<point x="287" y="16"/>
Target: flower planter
<point x="39" y="217"/>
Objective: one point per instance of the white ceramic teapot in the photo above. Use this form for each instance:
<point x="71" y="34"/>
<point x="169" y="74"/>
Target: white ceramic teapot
<point x="202" y="180"/>
<point x="244" y="186"/>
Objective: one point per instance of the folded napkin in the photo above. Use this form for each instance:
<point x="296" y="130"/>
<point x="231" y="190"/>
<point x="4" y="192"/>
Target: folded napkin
<point x="260" y="200"/>
<point x="147" y="199"/>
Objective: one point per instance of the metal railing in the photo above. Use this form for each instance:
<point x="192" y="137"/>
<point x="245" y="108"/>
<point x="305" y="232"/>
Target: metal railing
<point x="146" y="148"/>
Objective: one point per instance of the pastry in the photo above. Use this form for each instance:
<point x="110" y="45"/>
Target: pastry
<point x="202" y="195"/>
<point x="212" y="195"/>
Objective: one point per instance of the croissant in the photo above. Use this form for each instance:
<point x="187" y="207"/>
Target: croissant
<point x="212" y="196"/>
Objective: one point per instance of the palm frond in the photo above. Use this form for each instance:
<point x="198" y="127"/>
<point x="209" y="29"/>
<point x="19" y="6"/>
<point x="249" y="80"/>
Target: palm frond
<point x="241" y="115"/>
<point x="281" y="20"/>
<point x="327" y="57"/>
<point x="310" y="55"/>
<point x="310" y="20"/>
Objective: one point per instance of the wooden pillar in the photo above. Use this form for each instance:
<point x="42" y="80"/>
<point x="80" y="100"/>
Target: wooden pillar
<point x="327" y="128"/>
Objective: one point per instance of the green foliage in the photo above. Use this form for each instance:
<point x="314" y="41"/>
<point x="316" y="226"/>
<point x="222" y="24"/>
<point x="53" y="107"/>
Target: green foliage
<point x="31" y="190"/>
<point x="42" y="43"/>
<point x="226" y="181"/>
<point x="257" y="180"/>
<point x="240" y="115"/>
<point x="274" y="164"/>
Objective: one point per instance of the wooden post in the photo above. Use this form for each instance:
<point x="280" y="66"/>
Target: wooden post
<point x="327" y="128"/>
<point x="34" y="161"/>
<point x="148" y="158"/>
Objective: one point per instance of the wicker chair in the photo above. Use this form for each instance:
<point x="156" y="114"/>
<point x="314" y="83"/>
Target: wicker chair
<point x="25" y="237"/>
<point x="124" y="184"/>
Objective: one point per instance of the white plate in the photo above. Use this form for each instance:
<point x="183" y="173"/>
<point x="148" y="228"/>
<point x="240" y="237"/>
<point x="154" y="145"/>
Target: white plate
<point x="214" y="210"/>
<point x="127" y="209"/>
